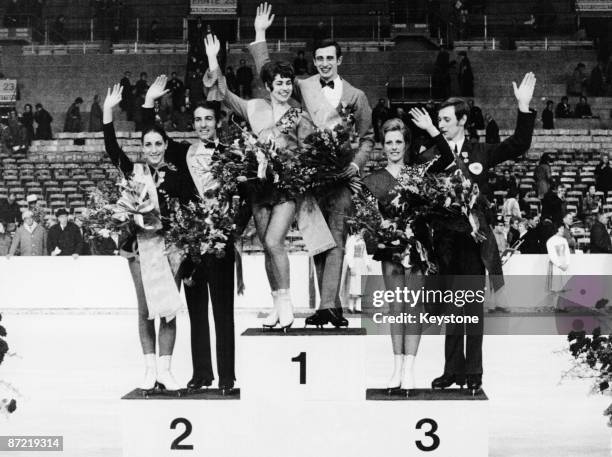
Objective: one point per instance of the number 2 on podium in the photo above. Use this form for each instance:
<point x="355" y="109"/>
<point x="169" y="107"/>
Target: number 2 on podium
<point x="176" y="444"/>
<point x="301" y="358"/>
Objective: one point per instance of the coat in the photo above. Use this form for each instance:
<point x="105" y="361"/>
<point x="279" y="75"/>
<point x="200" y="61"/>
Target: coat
<point x="29" y="244"/>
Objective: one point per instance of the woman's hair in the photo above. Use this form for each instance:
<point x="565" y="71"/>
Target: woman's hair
<point x="271" y="69"/>
<point x="397" y="125"/>
<point x="545" y="159"/>
<point x="156" y="129"/>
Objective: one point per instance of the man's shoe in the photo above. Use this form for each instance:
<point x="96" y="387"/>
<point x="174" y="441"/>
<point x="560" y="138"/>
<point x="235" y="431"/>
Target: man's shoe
<point x="327" y="316"/>
<point x="197" y="383"/>
<point x="447" y="380"/>
<point x="474" y="383"/>
<point x="226" y="387"/>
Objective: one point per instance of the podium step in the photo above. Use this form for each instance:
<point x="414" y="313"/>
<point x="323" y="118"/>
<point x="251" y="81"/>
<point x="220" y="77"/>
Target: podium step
<point x="426" y="395"/>
<point x="185" y="394"/>
<point x="312" y="331"/>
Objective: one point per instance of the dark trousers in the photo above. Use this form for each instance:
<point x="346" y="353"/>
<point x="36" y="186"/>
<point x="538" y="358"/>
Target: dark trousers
<point x="466" y="271"/>
<point x="217" y="277"/>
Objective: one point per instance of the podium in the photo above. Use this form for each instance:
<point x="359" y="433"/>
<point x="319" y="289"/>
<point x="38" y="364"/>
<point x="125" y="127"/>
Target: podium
<point x="304" y="393"/>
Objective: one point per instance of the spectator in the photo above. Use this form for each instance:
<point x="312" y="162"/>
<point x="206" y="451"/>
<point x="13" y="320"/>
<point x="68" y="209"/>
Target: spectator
<point x="300" y="64"/>
<point x="181" y="120"/>
<point x="380" y="114"/>
<point x="187" y="102"/>
<point x="508" y="183"/>
<point x="5" y="240"/>
<point x="583" y="109"/>
<point x="103" y="244"/>
<point x="95" y="115"/>
<point x="177" y="91"/>
<point x="30" y="238"/>
<point x="500" y="235"/>
<point x="16" y="132"/>
<point x="73" y="117"/>
<point x="154" y="32"/>
<point x="37" y="211"/>
<point x="58" y="31"/>
<point x="600" y="238"/>
<point x="568" y="220"/>
<point x="465" y="75"/>
<point x="475" y="120"/>
<point x="522" y="234"/>
<point x="142" y="86"/>
<point x="548" y="116"/>
<point x="244" y="75"/>
<point x="44" y="120"/>
<point x="511" y="206"/>
<point x="553" y="207"/>
<point x="543" y="175"/>
<point x="597" y="86"/>
<point x="27" y="120"/>
<point x="196" y="87"/>
<point x="64" y="237"/>
<point x="319" y="34"/>
<point x="513" y="232"/>
<point x="161" y="114"/>
<point x="578" y="81"/>
<point x="491" y="131"/>
<point x="591" y="204"/>
<point x="530" y="241"/>
<point x="603" y="174"/>
<point x="230" y="79"/>
<point x="10" y="212"/>
<point x="563" y="110"/>
<point x="126" y="103"/>
<point x="440" y="78"/>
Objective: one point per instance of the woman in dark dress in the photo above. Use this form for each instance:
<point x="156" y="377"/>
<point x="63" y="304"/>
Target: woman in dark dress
<point x="149" y="264"/>
<point x="405" y="338"/>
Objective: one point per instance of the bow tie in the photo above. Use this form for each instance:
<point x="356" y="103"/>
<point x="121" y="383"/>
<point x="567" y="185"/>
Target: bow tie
<point x="329" y="84"/>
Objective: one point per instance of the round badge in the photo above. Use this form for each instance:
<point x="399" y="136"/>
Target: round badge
<point x="475" y="168"/>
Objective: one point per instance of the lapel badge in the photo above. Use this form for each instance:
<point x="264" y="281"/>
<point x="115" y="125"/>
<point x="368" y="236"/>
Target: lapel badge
<point x="475" y="168"/>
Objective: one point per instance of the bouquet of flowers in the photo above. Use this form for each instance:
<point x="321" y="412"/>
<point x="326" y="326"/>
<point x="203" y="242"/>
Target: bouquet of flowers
<point x="326" y="153"/>
<point x="593" y="360"/>
<point x="124" y="206"/>
<point x="200" y="228"/>
<point x="261" y="163"/>
<point x="394" y="231"/>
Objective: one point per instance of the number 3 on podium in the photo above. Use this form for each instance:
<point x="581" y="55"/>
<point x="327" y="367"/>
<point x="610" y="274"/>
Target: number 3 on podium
<point x="430" y="434"/>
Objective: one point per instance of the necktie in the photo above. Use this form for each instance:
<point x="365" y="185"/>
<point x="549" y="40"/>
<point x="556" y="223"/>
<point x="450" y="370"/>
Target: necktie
<point x="329" y="84"/>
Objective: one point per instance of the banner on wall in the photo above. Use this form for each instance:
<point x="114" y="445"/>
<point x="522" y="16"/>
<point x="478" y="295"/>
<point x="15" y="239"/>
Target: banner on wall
<point x="216" y="7"/>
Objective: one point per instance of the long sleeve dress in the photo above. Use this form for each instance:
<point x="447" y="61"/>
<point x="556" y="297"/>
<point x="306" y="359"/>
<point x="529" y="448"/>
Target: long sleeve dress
<point x="149" y="263"/>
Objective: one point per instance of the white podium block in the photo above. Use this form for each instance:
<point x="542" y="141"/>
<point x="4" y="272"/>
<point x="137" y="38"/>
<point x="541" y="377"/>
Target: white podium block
<point x="302" y="365"/>
<point x="444" y="428"/>
<point x="197" y="425"/>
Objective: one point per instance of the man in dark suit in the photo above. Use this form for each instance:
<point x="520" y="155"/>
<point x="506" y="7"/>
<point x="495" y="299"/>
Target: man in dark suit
<point x="460" y="253"/>
<point x="600" y="238"/>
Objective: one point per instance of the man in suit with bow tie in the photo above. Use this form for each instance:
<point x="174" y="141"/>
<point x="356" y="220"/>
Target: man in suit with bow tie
<point x="325" y="95"/>
<point x="462" y="254"/>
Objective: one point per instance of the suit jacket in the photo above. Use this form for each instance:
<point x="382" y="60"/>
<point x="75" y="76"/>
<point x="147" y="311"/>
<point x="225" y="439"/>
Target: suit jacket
<point x="475" y="160"/>
<point x="308" y="91"/>
<point x="600" y="239"/>
<point x="69" y="240"/>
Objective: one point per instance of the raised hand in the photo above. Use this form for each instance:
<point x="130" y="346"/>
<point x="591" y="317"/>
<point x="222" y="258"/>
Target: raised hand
<point x="158" y="88"/>
<point x="422" y="119"/>
<point x="264" y="17"/>
<point x="212" y="45"/>
<point x="524" y="92"/>
<point x="113" y="97"/>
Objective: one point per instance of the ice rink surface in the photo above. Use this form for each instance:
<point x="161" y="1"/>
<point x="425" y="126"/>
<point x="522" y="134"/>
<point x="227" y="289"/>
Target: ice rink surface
<point x="72" y="368"/>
